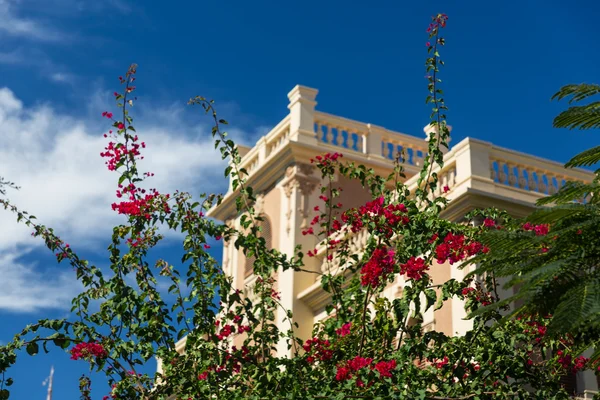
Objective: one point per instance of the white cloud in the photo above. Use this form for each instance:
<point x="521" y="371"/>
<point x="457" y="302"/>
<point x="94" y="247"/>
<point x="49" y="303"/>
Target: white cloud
<point x="61" y="77"/>
<point x="55" y="159"/>
<point x="38" y="60"/>
<point x="16" y="26"/>
<point x="14" y="57"/>
<point x="26" y="289"/>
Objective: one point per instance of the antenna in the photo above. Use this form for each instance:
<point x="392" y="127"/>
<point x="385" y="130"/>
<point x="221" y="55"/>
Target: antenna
<point x="48" y="380"/>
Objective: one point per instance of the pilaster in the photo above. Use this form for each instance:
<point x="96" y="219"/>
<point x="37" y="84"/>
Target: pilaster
<point x="299" y="197"/>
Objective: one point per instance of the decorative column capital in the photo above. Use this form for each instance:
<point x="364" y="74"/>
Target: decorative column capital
<point x="259" y="204"/>
<point x="299" y="179"/>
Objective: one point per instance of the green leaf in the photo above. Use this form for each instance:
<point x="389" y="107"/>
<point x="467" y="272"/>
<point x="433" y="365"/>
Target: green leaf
<point x="431" y="297"/>
<point x="578" y="117"/>
<point x="581" y="304"/>
<point x="32" y="348"/>
<point x="577" y="91"/>
<point x="585" y="159"/>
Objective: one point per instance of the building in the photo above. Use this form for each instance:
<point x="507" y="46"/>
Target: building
<point x="477" y="173"/>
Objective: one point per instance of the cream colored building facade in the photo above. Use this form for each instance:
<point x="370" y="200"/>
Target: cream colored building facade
<point x="477" y="173"/>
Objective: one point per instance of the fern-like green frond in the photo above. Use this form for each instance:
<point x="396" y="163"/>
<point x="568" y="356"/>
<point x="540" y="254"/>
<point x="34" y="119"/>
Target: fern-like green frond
<point x="585" y="159"/>
<point x="577" y="91"/>
<point x="579" y="117"/>
<point x="580" y="304"/>
<point x="555" y="214"/>
<point x="571" y="191"/>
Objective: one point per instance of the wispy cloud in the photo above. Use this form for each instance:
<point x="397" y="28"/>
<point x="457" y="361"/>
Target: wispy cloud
<point x="14" y="57"/>
<point x="62" y="77"/>
<point x="26" y="289"/>
<point x="38" y="60"/>
<point x="54" y="158"/>
<point x="16" y="26"/>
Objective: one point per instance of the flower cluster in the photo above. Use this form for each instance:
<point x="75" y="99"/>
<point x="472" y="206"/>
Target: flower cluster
<point x="228" y="329"/>
<point x="379" y="266"/>
<point x="318" y="350"/>
<point x="346" y="370"/>
<point x="344" y="330"/>
<point x="385" y="368"/>
<point x="477" y="295"/>
<point x="566" y="361"/>
<point x="87" y="350"/>
<point x="489" y="223"/>
<point x="116" y="152"/>
<point x="393" y="215"/>
<point x="143" y="206"/>
<point x="540" y="230"/>
<point x="233" y="362"/>
<point x="438" y="21"/>
<point x="326" y="160"/>
<point x="456" y="247"/>
<point x="414" y="268"/>
<point x="536" y="329"/>
<point x="439" y="364"/>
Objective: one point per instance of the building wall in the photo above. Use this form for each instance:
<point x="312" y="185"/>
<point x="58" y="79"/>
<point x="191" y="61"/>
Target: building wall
<point x="477" y="174"/>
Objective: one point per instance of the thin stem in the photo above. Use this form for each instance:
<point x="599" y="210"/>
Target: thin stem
<point x="364" y="316"/>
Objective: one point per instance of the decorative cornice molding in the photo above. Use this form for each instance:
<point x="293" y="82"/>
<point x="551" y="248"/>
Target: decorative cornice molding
<point x="286" y="159"/>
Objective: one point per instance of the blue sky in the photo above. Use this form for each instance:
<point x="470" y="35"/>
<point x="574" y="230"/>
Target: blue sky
<point x="59" y="61"/>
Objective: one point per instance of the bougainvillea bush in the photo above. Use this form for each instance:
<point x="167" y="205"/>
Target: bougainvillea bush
<point x="369" y="346"/>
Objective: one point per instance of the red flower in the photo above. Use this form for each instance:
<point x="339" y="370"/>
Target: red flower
<point x="336" y="225"/>
<point x="378" y="267"/>
<point x="121" y="125"/>
<point x="414" y="268"/>
<point x="318" y="349"/>
<point x="308" y="231"/>
<point x="455" y="248"/>
<point x="489" y="223"/>
<point x="327" y="160"/>
<point x="385" y="368"/>
<point x="359" y="362"/>
<point x="439" y="364"/>
<point x="203" y="376"/>
<point x="540" y="230"/>
<point x="86" y="350"/>
<point x="343" y="373"/>
<point x="344" y="330"/>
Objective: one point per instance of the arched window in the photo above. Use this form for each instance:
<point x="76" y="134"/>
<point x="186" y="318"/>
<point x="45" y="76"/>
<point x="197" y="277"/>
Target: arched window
<point x="266" y="233"/>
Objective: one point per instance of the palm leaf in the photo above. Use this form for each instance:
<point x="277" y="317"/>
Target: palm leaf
<point x="579" y="117"/>
<point x="585" y="159"/>
<point x="557" y="213"/>
<point x="577" y="91"/>
<point x="579" y="304"/>
<point x="571" y="191"/>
